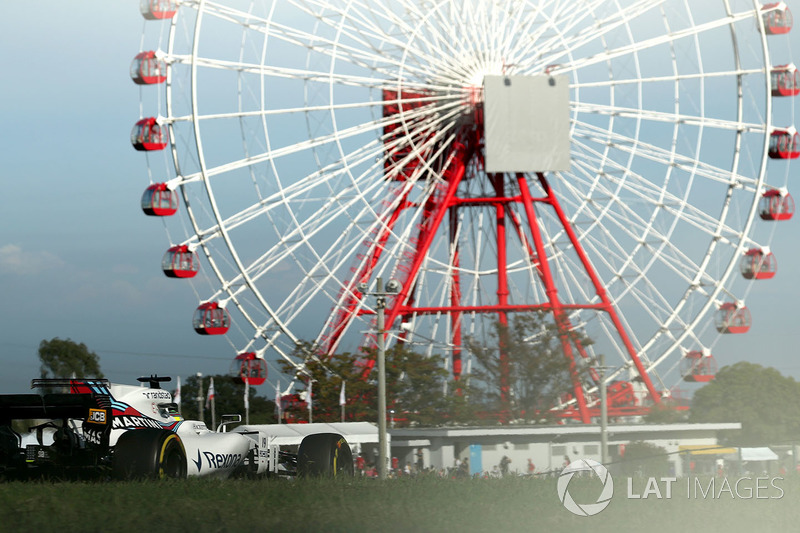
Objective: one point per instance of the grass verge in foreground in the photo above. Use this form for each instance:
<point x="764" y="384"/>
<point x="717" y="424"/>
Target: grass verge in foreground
<point x="425" y="504"/>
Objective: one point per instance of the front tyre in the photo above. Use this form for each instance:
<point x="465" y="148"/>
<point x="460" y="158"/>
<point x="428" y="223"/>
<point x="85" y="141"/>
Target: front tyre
<point x="149" y="454"/>
<point x="324" y="455"/>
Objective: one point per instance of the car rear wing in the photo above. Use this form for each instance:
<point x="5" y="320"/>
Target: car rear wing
<point x="74" y="386"/>
<point x="95" y="408"/>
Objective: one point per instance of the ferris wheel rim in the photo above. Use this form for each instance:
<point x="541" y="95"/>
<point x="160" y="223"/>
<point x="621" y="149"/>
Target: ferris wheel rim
<point x="286" y="328"/>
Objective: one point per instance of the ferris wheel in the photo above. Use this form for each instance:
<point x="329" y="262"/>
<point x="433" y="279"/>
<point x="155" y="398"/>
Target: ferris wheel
<point x="300" y="150"/>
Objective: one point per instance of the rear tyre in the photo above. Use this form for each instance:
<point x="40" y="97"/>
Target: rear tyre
<point x="324" y="455"/>
<point x="149" y="454"/>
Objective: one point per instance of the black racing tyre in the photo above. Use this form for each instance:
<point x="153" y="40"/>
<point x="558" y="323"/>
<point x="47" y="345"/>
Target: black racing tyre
<point x="149" y="454"/>
<point x="324" y="455"/>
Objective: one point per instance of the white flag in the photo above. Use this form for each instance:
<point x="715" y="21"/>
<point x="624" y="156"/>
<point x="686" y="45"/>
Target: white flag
<point x="278" y="395"/>
<point x="210" y="396"/>
<point x="309" y="398"/>
<point x="342" y="399"/>
<point x="177" y="396"/>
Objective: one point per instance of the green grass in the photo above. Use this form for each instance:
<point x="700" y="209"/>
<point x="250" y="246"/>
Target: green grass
<point x="504" y="505"/>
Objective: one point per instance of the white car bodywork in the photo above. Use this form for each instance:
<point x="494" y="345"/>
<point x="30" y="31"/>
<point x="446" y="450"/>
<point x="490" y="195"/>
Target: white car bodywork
<point x="90" y="427"/>
<point x="208" y="453"/>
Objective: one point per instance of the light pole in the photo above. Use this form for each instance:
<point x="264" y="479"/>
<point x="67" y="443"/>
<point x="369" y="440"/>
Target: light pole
<point x="380" y="305"/>
<point x="603" y="409"/>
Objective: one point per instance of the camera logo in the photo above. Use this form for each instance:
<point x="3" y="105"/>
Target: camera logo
<point x="587" y="509"/>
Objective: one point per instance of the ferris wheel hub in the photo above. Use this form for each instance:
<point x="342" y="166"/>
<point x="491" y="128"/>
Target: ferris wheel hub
<point x="527" y="123"/>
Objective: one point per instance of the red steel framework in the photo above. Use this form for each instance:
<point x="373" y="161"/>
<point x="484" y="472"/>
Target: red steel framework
<point x="462" y="155"/>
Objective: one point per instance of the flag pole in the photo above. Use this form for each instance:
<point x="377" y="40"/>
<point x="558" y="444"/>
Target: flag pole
<point x="278" y="400"/>
<point x="342" y="400"/>
<point x="310" y="401"/>
<point x="213" y="397"/>
<point x="199" y="397"/>
<point x="177" y="398"/>
<point x="247" y="402"/>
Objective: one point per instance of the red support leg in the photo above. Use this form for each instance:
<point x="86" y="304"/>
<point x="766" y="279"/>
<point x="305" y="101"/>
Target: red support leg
<point x="600" y="290"/>
<point x="347" y="311"/>
<point x="438" y="209"/>
<point x="445" y="201"/>
<point x="552" y="296"/>
<point x="455" y="294"/>
<point x="535" y="262"/>
<point x="502" y="297"/>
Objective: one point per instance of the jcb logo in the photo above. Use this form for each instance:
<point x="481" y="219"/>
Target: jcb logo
<point x="97" y="416"/>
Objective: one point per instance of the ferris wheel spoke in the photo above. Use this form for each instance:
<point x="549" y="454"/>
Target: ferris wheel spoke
<point x="368" y="104"/>
<point x="678" y="265"/>
<point x="303" y="188"/>
<point x="585" y="35"/>
<point x="255" y="274"/>
<point x="658" y="116"/>
<point x="368" y="56"/>
<point x="653" y="238"/>
<point x="645" y="44"/>
<point x="362" y="29"/>
<point x="647" y="192"/>
<point x="698" y="220"/>
<point x="662" y="156"/>
<point x="394" y="248"/>
<point x="655" y="306"/>
<point x="336" y="208"/>
<point x="324" y="274"/>
<point x="305" y="146"/>
<point x="671" y="78"/>
<point x="537" y="46"/>
<point x="362" y="57"/>
<point x="275" y="71"/>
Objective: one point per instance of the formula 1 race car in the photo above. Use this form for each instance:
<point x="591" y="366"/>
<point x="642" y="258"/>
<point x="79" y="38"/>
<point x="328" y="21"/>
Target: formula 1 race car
<point x="90" y="428"/>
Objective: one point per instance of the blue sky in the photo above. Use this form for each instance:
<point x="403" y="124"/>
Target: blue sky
<point x="79" y="260"/>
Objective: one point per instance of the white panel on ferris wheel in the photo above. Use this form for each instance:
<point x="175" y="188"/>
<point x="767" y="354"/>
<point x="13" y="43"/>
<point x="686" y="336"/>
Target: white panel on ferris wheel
<point x="526" y="120"/>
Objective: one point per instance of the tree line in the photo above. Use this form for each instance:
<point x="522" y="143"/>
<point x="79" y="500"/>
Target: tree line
<point x="420" y="391"/>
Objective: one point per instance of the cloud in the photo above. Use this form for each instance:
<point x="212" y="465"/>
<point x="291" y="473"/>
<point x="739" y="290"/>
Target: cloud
<point x="15" y="260"/>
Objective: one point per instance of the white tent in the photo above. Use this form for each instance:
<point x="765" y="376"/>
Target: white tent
<point x="757" y="454"/>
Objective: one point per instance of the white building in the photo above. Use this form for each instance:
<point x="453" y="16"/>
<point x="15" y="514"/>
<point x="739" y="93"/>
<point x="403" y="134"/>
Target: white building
<point x="548" y="447"/>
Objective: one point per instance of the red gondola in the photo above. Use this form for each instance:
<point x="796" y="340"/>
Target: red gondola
<point x="733" y="318"/>
<point x="250" y="369"/>
<point x="147" y="69"/>
<point x="784" y="144"/>
<point x="758" y="264"/>
<point x="291" y="405"/>
<point x="777" y="18"/>
<point x="698" y="367"/>
<point x="785" y="80"/>
<point x="211" y="319"/>
<point x="180" y="262"/>
<point x="158" y="9"/>
<point x="148" y="135"/>
<point x="159" y="201"/>
<point x="776" y="205"/>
